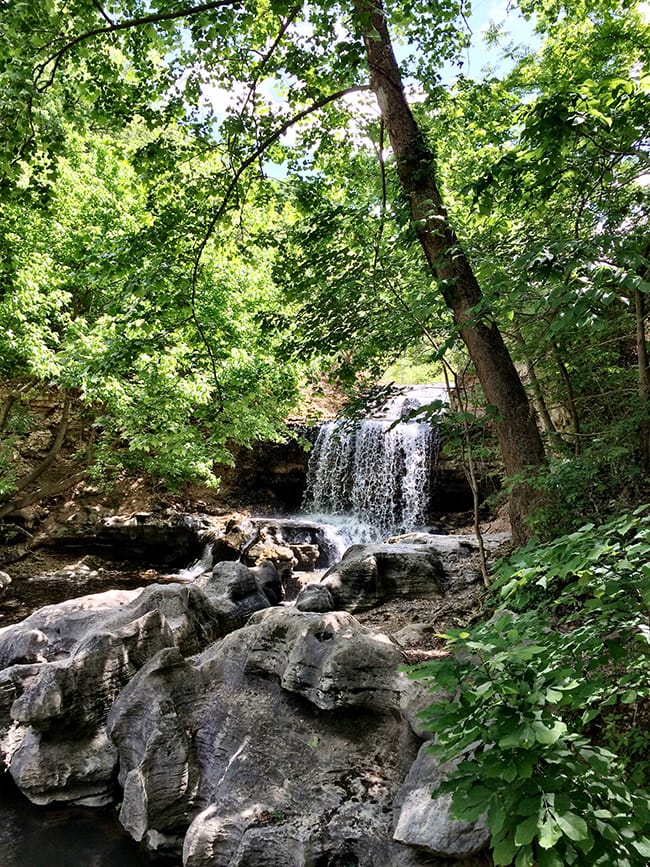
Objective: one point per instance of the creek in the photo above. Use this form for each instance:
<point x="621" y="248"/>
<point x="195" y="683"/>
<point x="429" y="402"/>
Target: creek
<point x="369" y="480"/>
<point x="64" y="836"/>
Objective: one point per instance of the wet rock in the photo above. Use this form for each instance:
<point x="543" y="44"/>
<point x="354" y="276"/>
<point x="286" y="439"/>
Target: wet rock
<point x="169" y="538"/>
<point x="287" y="543"/>
<point x="230" y="544"/>
<point x="268" y="545"/>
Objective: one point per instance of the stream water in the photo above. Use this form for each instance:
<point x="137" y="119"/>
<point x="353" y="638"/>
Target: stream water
<point x="64" y="836"/>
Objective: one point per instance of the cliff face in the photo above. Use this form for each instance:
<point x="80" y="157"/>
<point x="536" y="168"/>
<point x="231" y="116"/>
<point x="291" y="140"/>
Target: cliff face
<point x="44" y="481"/>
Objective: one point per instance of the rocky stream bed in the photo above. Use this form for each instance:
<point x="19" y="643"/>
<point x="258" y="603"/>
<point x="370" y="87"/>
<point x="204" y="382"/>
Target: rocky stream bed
<point x="234" y="724"/>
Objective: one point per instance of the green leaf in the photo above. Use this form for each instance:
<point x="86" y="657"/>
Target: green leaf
<point x="526" y="831"/>
<point x="573" y="826"/>
<point x="549" y="858"/>
<point x="504" y="852"/>
<point x="496" y="815"/>
<point x="545" y="735"/>
<point x="525" y="857"/>
<point x="549" y="831"/>
<point x="642" y="846"/>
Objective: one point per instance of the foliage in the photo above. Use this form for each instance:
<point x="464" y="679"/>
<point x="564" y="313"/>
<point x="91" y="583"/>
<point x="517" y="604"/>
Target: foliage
<point x="599" y="482"/>
<point x="533" y="698"/>
<point x="98" y="301"/>
<point x="139" y="209"/>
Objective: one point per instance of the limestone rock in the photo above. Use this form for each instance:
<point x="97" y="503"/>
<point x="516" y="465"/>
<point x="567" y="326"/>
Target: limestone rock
<point x="314" y="597"/>
<point x="287" y="543"/>
<point x="369" y="575"/>
<point x="239" y="590"/>
<point x="459" y="553"/>
<point x="170" y="538"/>
<point x="425" y="822"/>
<point x="65" y="665"/>
<point x="282" y="744"/>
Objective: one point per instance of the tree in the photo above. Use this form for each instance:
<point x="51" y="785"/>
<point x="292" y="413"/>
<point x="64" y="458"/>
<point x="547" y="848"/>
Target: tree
<point x="552" y="201"/>
<point x="236" y="78"/>
<point x="521" y="445"/>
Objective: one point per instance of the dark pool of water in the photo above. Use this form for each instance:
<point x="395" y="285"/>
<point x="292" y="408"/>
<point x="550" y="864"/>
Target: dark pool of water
<point x="47" y="580"/>
<point x="58" y="836"/>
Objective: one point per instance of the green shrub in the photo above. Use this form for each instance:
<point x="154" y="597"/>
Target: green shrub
<point x="548" y="702"/>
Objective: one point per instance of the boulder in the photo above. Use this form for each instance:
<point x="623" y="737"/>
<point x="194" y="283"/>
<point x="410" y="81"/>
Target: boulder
<point x="288" y="543"/>
<point x="64" y="666"/>
<point x="170" y="538"/>
<point x="425" y="822"/>
<point x="369" y="575"/>
<point x="314" y="597"/>
<point x="282" y="744"/>
<point x="459" y="553"/>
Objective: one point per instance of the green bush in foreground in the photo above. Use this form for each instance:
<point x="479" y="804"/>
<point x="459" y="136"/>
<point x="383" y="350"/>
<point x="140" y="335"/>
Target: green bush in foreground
<point x="546" y="706"/>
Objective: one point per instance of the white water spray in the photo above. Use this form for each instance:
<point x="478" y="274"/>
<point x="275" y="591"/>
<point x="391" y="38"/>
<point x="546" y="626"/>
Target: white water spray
<point x="375" y="475"/>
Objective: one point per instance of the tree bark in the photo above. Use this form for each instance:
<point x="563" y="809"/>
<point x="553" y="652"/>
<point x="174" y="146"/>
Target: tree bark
<point x="519" y="439"/>
<point x="570" y="398"/>
<point x="538" y="396"/>
<point x="644" y="376"/>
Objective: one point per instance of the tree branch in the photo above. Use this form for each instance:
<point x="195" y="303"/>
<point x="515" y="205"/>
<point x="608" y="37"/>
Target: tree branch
<point x="255" y="154"/>
<point x="6" y="408"/>
<point x="55" y="59"/>
<point x="50" y="491"/>
<point x="102" y="12"/>
<point x="49" y="460"/>
<point x="288" y="21"/>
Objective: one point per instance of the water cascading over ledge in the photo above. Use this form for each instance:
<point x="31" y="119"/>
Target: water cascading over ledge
<point x="378" y="472"/>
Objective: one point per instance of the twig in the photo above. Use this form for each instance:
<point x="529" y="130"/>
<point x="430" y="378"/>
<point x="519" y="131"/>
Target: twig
<point x="55" y="59"/>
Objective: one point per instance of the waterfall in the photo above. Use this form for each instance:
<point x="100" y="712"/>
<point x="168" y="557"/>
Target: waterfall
<point x="376" y="472"/>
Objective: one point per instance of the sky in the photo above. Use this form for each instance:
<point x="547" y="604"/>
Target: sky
<point x="479" y="55"/>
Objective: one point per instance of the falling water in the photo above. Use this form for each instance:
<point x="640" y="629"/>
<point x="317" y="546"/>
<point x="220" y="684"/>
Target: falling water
<point x="377" y="473"/>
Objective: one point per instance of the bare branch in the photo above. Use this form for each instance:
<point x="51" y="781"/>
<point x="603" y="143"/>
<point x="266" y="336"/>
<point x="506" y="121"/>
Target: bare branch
<point x="47" y="462"/>
<point x="288" y="21"/>
<point x="43" y="493"/>
<point x="5" y="410"/>
<point x="55" y="59"/>
<point x="255" y="154"/>
<point x="101" y="11"/>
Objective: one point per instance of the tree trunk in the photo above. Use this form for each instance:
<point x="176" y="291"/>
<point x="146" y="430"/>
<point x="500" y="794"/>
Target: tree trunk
<point x="519" y="439"/>
<point x="570" y="398"/>
<point x="538" y="396"/>
<point x="644" y="377"/>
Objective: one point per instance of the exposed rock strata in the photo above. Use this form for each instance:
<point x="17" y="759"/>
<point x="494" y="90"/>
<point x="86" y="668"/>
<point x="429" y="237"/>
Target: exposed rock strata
<point x="242" y="734"/>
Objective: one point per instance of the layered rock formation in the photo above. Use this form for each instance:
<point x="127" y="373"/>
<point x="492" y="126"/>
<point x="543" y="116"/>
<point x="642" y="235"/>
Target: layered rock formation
<point x="242" y="732"/>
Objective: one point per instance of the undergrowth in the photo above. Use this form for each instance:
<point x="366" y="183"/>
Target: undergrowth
<point x="547" y="704"/>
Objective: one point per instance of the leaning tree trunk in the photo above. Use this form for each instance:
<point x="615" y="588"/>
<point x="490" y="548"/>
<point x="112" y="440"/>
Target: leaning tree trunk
<point x="519" y="439"/>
